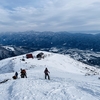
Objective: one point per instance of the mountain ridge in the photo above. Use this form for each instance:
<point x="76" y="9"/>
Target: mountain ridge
<point x="68" y="79"/>
<point x="64" y="42"/>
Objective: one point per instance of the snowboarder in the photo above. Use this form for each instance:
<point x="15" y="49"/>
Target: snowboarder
<point x="47" y="74"/>
<point x="23" y="73"/>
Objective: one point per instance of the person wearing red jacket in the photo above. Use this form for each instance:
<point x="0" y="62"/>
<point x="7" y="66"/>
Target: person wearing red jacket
<point x="23" y="73"/>
<point x="47" y="74"/>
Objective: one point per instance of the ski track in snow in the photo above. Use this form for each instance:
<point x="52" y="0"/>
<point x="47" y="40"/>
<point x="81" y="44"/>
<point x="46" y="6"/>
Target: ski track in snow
<point x="54" y="89"/>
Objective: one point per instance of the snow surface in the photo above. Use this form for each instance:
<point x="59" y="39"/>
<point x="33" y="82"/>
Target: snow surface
<point x="9" y="48"/>
<point x="69" y="79"/>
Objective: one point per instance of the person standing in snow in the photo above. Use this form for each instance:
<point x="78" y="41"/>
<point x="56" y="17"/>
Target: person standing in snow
<point x="47" y="74"/>
<point x="16" y="74"/>
<point x="23" y="73"/>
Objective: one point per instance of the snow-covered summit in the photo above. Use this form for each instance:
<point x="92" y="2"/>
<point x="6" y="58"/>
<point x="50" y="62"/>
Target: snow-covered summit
<point x="70" y="79"/>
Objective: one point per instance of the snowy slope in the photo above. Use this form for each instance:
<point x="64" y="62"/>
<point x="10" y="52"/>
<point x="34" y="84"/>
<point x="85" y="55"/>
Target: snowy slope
<point x="70" y="79"/>
<point x="9" y="48"/>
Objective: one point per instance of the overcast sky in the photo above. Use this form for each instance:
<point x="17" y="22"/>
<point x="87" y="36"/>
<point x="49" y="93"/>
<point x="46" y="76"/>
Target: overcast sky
<point x="49" y="15"/>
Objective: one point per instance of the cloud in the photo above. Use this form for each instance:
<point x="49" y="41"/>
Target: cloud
<point x="49" y="15"/>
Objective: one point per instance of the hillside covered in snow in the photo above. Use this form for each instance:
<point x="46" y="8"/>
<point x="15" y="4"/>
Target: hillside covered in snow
<point x="69" y="79"/>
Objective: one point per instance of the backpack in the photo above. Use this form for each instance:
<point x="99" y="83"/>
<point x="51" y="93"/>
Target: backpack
<point x="23" y="71"/>
<point x="46" y="71"/>
<point x="14" y="77"/>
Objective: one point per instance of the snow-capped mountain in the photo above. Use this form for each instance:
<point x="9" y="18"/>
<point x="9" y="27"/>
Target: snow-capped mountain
<point x="9" y="48"/>
<point x="11" y="51"/>
<point x="86" y="56"/>
<point x="77" y="44"/>
<point x="32" y="39"/>
<point x="69" y="79"/>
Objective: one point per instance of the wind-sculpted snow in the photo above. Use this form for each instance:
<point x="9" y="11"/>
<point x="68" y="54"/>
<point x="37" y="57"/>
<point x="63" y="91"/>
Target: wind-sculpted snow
<point x="68" y="79"/>
<point x="6" y="66"/>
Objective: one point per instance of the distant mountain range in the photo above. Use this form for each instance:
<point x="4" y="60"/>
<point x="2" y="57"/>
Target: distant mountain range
<point x="38" y="40"/>
<point x="80" y="46"/>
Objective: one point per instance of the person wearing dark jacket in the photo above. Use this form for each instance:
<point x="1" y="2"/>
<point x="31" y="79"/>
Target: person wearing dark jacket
<point x="23" y="73"/>
<point x="16" y="74"/>
<point x="47" y="74"/>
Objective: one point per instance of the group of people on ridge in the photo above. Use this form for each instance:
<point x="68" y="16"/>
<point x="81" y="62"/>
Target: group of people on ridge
<point x="23" y="74"/>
